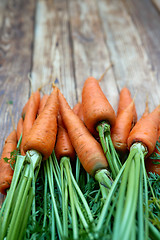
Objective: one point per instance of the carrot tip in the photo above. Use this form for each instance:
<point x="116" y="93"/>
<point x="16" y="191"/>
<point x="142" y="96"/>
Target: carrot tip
<point x="106" y="70"/>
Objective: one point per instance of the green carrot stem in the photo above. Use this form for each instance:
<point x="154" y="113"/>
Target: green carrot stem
<point x="146" y="215"/>
<point x="19" y="142"/>
<point x="108" y="148"/>
<point x="129" y="196"/>
<point x="106" y="205"/>
<point x="80" y="194"/>
<point x="4" y="215"/>
<point x="34" y="202"/>
<point x="80" y="213"/>
<point x="104" y="178"/>
<point x="114" y="154"/>
<point x="82" y="218"/>
<point x="15" y="223"/>
<point x="45" y="196"/>
<point x="125" y="232"/>
<point x="140" y="209"/>
<point x="133" y="231"/>
<point x="55" y="170"/>
<point x="122" y="191"/>
<point x="111" y="211"/>
<point x="57" y="167"/>
<point x="64" y="202"/>
<point x="105" y="182"/>
<point x="153" y="232"/>
<point x="26" y="215"/>
<point x="34" y="159"/>
<point x="78" y="166"/>
<point x="53" y="231"/>
<point x="50" y="179"/>
<point x="64" y="160"/>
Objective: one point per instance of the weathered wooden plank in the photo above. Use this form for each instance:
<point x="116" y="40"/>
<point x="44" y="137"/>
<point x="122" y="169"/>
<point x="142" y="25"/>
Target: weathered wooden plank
<point x="131" y="63"/>
<point x="16" y="36"/>
<point x="90" y="53"/>
<point x="147" y="18"/>
<point x="52" y="60"/>
<point x="157" y="4"/>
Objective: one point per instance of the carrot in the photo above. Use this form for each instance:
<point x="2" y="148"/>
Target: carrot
<point x="80" y="112"/>
<point x="87" y="148"/>
<point x="39" y="142"/>
<point x="6" y="172"/>
<point x="146" y="131"/>
<point x="96" y="107"/>
<point x="19" y="128"/>
<point x="122" y="128"/>
<point x="42" y="135"/>
<point x="124" y="100"/>
<point x="133" y="191"/>
<point x="146" y="111"/>
<point x="63" y="147"/>
<point x="42" y="103"/>
<point x="132" y="182"/>
<point x="30" y="116"/>
<point x="99" y="117"/>
<point x="153" y="162"/>
<point x="24" y="109"/>
<point x="76" y="108"/>
<point x="65" y="152"/>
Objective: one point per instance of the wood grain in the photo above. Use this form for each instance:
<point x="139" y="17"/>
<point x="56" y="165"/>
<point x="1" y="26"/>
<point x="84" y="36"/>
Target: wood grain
<point x="157" y="4"/>
<point x="52" y="57"/>
<point x="147" y="24"/>
<point x="90" y="53"/>
<point x="132" y="67"/>
<point x="66" y="41"/>
<point x="16" y="36"/>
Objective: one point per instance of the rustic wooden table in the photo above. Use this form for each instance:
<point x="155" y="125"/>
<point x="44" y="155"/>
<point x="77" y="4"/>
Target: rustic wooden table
<point x="68" y="40"/>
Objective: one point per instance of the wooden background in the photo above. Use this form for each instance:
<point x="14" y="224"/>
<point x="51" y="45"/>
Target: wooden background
<point x="66" y="41"/>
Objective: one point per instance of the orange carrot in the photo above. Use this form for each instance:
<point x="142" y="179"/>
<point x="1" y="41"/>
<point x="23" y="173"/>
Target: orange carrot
<point x="96" y="107"/>
<point x="146" y="131"/>
<point x="42" y="103"/>
<point x="80" y="113"/>
<point x="99" y="117"/>
<point x="19" y="128"/>
<point x="146" y="112"/>
<point x="63" y="147"/>
<point x="124" y="100"/>
<point x="76" y="108"/>
<point x="24" y="109"/>
<point x="30" y="116"/>
<point x="42" y="135"/>
<point x="87" y="148"/>
<point x="153" y="165"/>
<point x="122" y="128"/>
<point x="6" y="171"/>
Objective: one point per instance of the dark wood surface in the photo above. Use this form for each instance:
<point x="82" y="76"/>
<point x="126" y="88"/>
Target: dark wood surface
<point x="68" y="40"/>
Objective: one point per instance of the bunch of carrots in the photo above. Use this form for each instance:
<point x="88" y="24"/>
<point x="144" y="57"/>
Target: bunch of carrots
<point x="92" y="164"/>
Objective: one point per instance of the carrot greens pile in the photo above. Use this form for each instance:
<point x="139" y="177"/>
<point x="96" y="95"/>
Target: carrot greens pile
<point x="81" y="173"/>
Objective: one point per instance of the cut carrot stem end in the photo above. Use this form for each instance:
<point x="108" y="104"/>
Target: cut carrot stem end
<point x="105" y="181"/>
